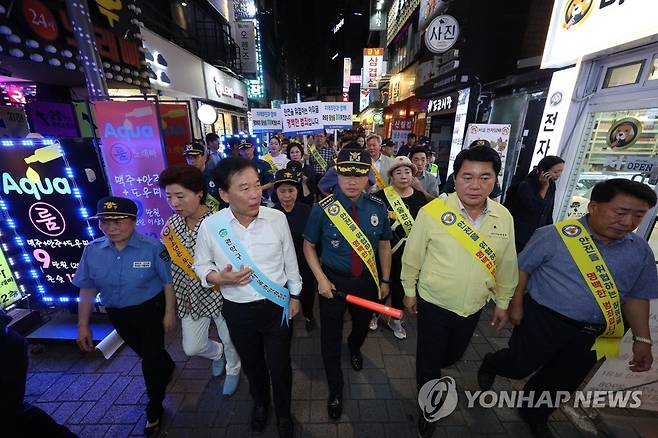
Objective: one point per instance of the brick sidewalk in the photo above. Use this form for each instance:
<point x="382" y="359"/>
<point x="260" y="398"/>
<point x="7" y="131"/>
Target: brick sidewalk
<point x="99" y="398"/>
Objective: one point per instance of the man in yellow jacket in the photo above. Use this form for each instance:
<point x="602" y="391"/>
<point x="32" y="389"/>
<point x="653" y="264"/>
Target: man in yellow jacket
<point x="459" y="255"/>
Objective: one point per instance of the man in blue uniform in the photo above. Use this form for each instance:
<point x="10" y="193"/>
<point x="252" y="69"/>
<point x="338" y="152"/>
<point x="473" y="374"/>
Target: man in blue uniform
<point x="264" y="169"/>
<point x="132" y="273"/>
<point x="352" y="230"/>
<point x="195" y="155"/>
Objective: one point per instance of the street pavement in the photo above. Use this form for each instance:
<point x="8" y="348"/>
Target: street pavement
<point x="97" y="398"/>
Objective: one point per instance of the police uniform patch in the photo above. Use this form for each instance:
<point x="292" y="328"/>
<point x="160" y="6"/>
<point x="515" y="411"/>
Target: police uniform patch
<point x="333" y="210"/>
<point x="211" y="184"/>
<point x="142" y="265"/>
<point x="335" y="243"/>
<point x="374" y="220"/>
<point x="164" y="255"/>
<point x="448" y="218"/>
<point x="376" y="199"/>
<point x="571" y="230"/>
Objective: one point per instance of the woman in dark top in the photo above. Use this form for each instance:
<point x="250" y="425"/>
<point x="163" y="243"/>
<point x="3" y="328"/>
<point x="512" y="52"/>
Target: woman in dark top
<point x="401" y="174"/>
<point x="531" y="200"/>
<point x="295" y="154"/>
<point x="287" y="186"/>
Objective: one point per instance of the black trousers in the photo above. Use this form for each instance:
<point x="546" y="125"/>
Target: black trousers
<point x="263" y="343"/>
<point x="309" y="289"/>
<point x="332" y="312"/>
<point x="141" y="328"/>
<point x="558" y="349"/>
<point x="442" y="339"/>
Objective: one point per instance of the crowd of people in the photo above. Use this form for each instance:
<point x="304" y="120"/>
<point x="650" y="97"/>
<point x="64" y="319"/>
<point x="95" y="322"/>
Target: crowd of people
<point x="255" y="241"/>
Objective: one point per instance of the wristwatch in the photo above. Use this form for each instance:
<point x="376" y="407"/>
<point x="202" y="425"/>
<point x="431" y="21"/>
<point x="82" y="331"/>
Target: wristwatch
<point x="642" y="340"/>
<point x="294" y="297"/>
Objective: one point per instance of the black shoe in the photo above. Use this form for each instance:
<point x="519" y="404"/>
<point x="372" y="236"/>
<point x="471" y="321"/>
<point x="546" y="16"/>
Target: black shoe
<point x="486" y="375"/>
<point x="153" y="431"/>
<point x="357" y="362"/>
<point x="309" y="324"/>
<point x="425" y="428"/>
<point x="285" y="427"/>
<point x="335" y="407"/>
<point x="258" y="418"/>
<point x="538" y="429"/>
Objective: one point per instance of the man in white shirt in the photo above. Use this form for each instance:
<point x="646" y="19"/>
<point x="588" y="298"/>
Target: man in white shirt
<point x="380" y="162"/>
<point x="248" y="251"/>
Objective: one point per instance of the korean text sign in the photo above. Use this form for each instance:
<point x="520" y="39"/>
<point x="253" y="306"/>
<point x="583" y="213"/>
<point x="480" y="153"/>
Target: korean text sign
<point x="302" y="118"/>
<point x="337" y="115"/>
<point x="133" y="155"/>
<point x="373" y="64"/>
<point x="266" y="120"/>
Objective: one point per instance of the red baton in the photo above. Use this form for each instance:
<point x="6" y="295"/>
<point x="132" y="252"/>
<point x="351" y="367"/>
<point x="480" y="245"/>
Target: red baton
<point x="372" y="305"/>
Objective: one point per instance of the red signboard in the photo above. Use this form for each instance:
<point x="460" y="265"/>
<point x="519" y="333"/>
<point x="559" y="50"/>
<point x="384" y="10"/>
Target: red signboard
<point x="177" y="131"/>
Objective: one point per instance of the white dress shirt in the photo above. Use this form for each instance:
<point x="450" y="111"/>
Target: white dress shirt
<point x="280" y="161"/>
<point x="268" y="242"/>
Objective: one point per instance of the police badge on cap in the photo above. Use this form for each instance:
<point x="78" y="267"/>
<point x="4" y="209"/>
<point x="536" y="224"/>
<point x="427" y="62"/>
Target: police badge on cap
<point x="353" y="162"/>
<point x="113" y="207"/>
<point x="194" y="149"/>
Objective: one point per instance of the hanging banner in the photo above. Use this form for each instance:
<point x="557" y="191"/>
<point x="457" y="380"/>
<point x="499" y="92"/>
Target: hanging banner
<point x="133" y="154"/>
<point x="337" y="115"/>
<point x="245" y="37"/>
<point x="53" y="119"/>
<point x="176" y="130"/>
<point x="373" y="64"/>
<point x="266" y="120"/>
<point x="49" y="189"/>
<point x="364" y="99"/>
<point x="460" y="123"/>
<point x="554" y="117"/>
<point x="302" y="118"/>
<point x="13" y="122"/>
<point x="496" y="134"/>
<point x="401" y="128"/>
<point x="347" y="69"/>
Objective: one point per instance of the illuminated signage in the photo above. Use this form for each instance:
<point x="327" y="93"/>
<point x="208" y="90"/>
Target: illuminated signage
<point x="373" y="64"/>
<point x="338" y="25"/>
<point x="45" y="210"/>
<point x="347" y="68"/>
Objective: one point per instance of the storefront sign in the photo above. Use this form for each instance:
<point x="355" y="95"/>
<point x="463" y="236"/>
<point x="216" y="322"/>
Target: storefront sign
<point x="337" y="115"/>
<point x="442" y="34"/>
<point x="176" y="130"/>
<point x="347" y="68"/>
<point x="377" y="15"/>
<point x="401" y="128"/>
<point x="172" y="68"/>
<point x="133" y="154"/>
<point x="460" y="124"/>
<point x="302" y="118"/>
<point x="41" y="32"/>
<point x="245" y="32"/>
<point x="13" y="122"/>
<point x="242" y="9"/>
<point x="224" y="88"/>
<point x="555" y="114"/>
<point x="373" y="63"/>
<point x="266" y="120"/>
<point x="442" y="105"/>
<point x="496" y="134"/>
<point x="9" y="292"/>
<point x="53" y="119"/>
<point x="581" y="27"/>
<point x="47" y="196"/>
<point x="364" y="99"/>
<point x="637" y="164"/>
<point x="428" y="9"/>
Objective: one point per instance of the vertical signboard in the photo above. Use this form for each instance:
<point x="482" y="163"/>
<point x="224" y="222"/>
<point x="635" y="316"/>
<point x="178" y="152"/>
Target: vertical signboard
<point x="176" y="130"/>
<point x="373" y="63"/>
<point x="553" y="119"/>
<point x="133" y="155"/>
<point x="364" y="99"/>
<point x="302" y="118"/>
<point x="377" y="15"/>
<point x="9" y="292"/>
<point x="401" y="128"/>
<point x="347" y="68"/>
<point x="460" y="124"/>
<point x="246" y="38"/>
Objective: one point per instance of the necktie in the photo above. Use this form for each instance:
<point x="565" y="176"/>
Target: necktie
<point x="356" y="262"/>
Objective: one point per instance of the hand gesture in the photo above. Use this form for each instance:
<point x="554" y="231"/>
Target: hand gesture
<point x="325" y="287"/>
<point x="544" y="179"/>
<point x="237" y="278"/>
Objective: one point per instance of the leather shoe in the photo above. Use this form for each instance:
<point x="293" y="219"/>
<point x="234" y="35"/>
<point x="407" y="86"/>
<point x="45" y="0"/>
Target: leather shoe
<point x="538" y="429"/>
<point x="258" y="418"/>
<point x="486" y="375"/>
<point x="425" y="428"/>
<point x="309" y="325"/>
<point x="285" y="427"/>
<point x="357" y="362"/>
<point x="335" y="407"/>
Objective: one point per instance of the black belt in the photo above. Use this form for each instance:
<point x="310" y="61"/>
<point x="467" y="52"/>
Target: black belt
<point x="587" y="327"/>
<point x="257" y="303"/>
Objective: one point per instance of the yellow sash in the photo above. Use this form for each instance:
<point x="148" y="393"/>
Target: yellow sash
<point x="378" y="177"/>
<point x="268" y="158"/>
<point x="599" y="280"/>
<point x="352" y="233"/>
<point x="316" y="155"/>
<point x="468" y="237"/>
<point x="400" y="210"/>
<point x="212" y="202"/>
<point x="179" y="253"/>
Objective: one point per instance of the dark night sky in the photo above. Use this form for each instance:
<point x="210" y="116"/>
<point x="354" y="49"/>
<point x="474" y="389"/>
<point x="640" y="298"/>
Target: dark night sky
<point x="305" y="29"/>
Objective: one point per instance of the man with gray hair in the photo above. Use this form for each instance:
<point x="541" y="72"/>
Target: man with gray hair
<point x="380" y="162"/>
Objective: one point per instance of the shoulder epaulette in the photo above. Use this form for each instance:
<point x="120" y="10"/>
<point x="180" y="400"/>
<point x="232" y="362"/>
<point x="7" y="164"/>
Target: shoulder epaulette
<point x="376" y="199"/>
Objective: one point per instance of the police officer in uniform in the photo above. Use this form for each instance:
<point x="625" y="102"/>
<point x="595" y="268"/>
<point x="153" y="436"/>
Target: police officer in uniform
<point x="195" y="155"/>
<point x="342" y="268"/>
<point x="132" y="273"/>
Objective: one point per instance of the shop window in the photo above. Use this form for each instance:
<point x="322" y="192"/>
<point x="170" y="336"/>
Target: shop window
<point x="620" y="75"/>
<point x="653" y="73"/>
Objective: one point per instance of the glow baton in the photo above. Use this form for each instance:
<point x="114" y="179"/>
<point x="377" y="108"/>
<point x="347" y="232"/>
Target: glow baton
<point x="372" y="305"/>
